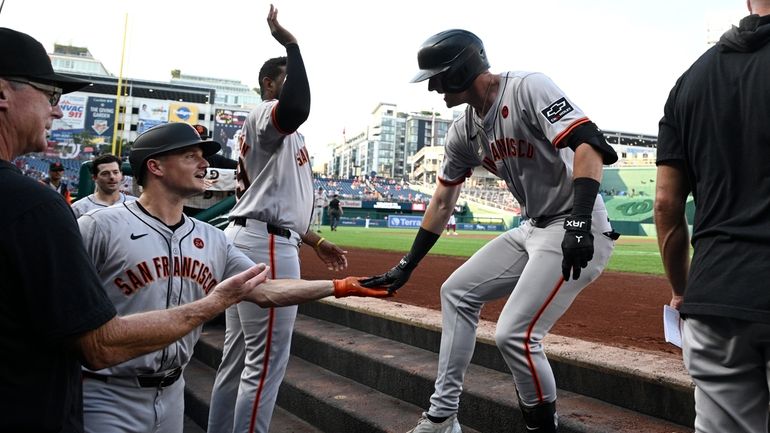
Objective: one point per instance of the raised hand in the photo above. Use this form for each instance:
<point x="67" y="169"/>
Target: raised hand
<point x="280" y="34"/>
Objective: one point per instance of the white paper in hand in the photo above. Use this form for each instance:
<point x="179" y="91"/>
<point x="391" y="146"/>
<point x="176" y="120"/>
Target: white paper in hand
<point x="672" y="326"/>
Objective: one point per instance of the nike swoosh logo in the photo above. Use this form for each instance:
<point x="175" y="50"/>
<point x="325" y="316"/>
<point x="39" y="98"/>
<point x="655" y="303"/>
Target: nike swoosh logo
<point x="135" y="237"/>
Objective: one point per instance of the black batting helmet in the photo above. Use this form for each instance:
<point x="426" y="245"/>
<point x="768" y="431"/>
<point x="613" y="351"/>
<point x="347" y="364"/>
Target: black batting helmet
<point x="457" y="54"/>
<point x="164" y="138"/>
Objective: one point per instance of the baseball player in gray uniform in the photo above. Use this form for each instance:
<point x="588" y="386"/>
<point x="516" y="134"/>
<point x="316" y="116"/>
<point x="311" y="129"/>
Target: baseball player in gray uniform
<point x="150" y="256"/>
<point x="523" y="128"/>
<point x="320" y="202"/>
<point x="108" y="177"/>
<point x="269" y="221"/>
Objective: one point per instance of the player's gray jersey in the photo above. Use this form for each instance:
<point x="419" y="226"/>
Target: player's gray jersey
<point x="521" y="140"/>
<point x="274" y="180"/>
<point x="144" y="265"/>
<point x="89" y="203"/>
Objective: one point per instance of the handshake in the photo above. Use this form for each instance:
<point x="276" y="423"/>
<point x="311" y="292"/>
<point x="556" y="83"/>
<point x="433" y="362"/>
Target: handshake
<point x="351" y="286"/>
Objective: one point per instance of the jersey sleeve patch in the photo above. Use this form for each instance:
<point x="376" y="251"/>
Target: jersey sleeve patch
<point x="557" y="110"/>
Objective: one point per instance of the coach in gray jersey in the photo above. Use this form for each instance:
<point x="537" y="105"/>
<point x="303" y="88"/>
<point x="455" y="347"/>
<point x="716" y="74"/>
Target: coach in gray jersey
<point x="108" y="177"/>
<point x="524" y="129"/>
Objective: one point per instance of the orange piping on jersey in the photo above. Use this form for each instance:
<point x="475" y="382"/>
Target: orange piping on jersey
<point x="455" y="182"/>
<point x="275" y="120"/>
<point x="266" y="361"/>
<point x="529" y="335"/>
<point x="569" y="129"/>
<point x="448" y="183"/>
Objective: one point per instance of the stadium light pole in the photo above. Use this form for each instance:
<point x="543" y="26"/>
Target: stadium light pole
<point x="120" y="89"/>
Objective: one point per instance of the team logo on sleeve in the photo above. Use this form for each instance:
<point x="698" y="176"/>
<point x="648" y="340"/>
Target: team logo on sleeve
<point x="557" y="110"/>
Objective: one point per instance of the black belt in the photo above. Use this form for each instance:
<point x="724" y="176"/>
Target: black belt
<point x="542" y="222"/>
<point x="272" y="229"/>
<point x="144" y="381"/>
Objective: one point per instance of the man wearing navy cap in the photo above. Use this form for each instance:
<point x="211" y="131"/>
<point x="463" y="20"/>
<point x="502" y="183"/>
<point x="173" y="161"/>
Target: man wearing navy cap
<point x="54" y="181"/>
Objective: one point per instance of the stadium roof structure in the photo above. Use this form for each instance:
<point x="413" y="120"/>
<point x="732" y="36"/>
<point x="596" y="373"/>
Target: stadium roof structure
<point x="147" y="89"/>
<point x="629" y="139"/>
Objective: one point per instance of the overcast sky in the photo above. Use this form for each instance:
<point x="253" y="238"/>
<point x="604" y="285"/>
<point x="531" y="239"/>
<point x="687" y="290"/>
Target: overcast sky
<point x="616" y="59"/>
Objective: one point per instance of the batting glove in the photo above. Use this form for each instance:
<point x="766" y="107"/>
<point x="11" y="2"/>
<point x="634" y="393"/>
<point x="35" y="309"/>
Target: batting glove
<point x="393" y="279"/>
<point x="351" y="286"/>
<point x="577" y="245"/>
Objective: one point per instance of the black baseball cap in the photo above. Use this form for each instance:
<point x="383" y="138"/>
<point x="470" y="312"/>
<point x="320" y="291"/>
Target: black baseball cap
<point x="23" y="56"/>
<point x="56" y="166"/>
<point x="165" y="138"/>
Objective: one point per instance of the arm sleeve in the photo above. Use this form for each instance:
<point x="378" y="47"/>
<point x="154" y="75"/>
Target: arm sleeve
<point x="64" y="296"/>
<point x="294" y="102"/>
<point x="459" y="157"/>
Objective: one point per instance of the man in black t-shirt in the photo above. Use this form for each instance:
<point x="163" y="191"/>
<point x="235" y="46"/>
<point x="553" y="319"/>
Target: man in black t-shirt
<point x="54" y="314"/>
<point x="713" y="142"/>
<point x="335" y="212"/>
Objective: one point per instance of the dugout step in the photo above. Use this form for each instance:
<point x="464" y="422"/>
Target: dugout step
<point x="375" y="366"/>
<point x="643" y="382"/>
<point x="489" y="401"/>
<point x="199" y="379"/>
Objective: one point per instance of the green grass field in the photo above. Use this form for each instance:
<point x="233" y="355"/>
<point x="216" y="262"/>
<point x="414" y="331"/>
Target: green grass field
<point x="636" y="254"/>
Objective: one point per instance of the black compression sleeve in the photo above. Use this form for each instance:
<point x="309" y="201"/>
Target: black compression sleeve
<point x="423" y="242"/>
<point x="590" y="133"/>
<point x="294" y="101"/>
<point x="585" y="196"/>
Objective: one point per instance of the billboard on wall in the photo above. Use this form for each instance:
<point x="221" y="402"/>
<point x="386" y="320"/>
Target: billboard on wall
<point x="227" y="124"/>
<point x="183" y="112"/>
<point x="151" y="113"/>
<point x="100" y="119"/>
<point x="73" y="109"/>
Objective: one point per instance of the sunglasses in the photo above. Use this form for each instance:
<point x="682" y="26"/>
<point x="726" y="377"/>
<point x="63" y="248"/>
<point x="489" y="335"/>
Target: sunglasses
<point x="53" y="92"/>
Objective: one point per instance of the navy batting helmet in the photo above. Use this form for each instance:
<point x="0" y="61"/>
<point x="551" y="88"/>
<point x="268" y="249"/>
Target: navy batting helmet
<point x="164" y="138"/>
<point x="457" y="54"/>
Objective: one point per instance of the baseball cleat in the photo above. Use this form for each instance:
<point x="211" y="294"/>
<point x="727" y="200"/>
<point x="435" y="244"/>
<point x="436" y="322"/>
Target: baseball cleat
<point x="424" y="425"/>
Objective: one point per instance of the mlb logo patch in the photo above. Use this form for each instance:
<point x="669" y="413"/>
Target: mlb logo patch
<point x="557" y="110"/>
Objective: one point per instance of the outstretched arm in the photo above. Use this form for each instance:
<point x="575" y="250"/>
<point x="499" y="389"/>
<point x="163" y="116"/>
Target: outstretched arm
<point x="433" y="223"/>
<point x="123" y="338"/>
<point x="280" y="293"/>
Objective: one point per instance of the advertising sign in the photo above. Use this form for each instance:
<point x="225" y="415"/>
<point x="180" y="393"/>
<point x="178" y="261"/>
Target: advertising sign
<point x="404" y="222"/>
<point x="183" y="112"/>
<point x="100" y="119"/>
<point x="73" y="108"/>
<point x="151" y="113"/>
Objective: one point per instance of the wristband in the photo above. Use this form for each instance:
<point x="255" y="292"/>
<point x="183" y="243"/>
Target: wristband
<point x="423" y="242"/>
<point x="585" y="190"/>
<point x="318" y="244"/>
